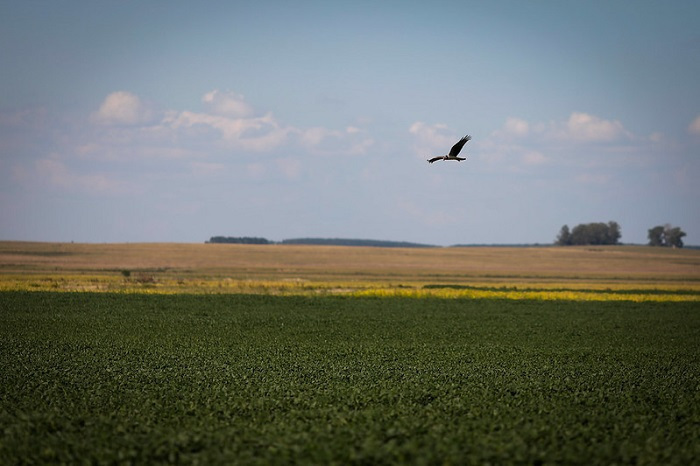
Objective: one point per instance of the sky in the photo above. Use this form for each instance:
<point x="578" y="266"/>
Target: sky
<point x="173" y="121"/>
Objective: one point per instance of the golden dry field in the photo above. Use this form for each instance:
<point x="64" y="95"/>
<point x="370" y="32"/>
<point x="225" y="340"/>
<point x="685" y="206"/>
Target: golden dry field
<point x="600" y="272"/>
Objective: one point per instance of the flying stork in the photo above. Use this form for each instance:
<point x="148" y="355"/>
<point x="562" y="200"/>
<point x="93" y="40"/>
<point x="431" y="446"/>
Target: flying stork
<point x="453" y="152"/>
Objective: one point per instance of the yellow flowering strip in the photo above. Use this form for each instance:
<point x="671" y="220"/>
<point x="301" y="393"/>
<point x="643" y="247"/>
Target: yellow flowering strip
<point x="68" y="282"/>
<point x="540" y="295"/>
<point x="151" y="284"/>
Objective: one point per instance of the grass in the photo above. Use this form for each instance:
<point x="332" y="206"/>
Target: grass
<point x="261" y="379"/>
<point x="152" y="284"/>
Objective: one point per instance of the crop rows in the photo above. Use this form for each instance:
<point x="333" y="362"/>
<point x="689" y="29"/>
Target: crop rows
<point x="259" y="379"/>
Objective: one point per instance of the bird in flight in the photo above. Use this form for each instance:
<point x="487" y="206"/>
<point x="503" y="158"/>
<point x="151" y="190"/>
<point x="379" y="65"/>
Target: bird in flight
<point x="454" y="152"/>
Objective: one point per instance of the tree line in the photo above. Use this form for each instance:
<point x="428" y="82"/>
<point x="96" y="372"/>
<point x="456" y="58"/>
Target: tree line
<point x="599" y="233"/>
<point x="318" y="241"/>
<point x="238" y="240"/>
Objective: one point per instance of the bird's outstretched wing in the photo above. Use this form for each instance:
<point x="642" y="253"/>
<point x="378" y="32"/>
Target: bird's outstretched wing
<point x="458" y="147"/>
<point x="435" y="159"/>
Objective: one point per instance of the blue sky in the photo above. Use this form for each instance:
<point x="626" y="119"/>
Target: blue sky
<point x="177" y="121"/>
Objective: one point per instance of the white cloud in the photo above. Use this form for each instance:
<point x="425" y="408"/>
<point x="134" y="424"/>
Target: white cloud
<point x="431" y="138"/>
<point x="228" y="123"/>
<point x="361" y="147"/>
<point x="314" y="136"/>
<point x="123" y="108"/>
<point x="694" y="126"/>
<point x="580" y="127"/>
<point x="328" y="141"/>
<point x="183" y="142"/>
<point x="256" y="134"/>
<point x="428" y="132"/>
<point x="516" y="126"/>
<point x="584" y="127"/>
<point x="227" y="104"/>
<point x="541" y="143"/>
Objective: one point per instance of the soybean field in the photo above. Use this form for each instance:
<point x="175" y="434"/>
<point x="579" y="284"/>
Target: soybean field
<point x="235" y="378"/>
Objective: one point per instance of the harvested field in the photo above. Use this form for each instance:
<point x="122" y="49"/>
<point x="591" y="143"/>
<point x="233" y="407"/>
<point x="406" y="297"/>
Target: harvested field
<point x="274" y="262"/>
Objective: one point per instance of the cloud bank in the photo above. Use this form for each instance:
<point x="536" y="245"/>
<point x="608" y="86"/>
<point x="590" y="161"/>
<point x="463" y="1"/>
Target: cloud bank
<point x="224" y="135"/>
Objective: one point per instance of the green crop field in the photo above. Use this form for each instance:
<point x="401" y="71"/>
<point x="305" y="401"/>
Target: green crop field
<point x="262" y="379"/>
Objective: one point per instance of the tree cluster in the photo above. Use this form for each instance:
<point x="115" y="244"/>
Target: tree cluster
<point x="590" y="233"/>
<point x="238" y="240"/>
<point x="666" y="235"/>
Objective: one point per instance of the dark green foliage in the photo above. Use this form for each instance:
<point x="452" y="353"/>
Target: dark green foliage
<point x="590" y="233"/>
<point x="564" y="237"/>
<point x="100" y="378"/>
<point x="238" y="240"/>
<point x="666" y="235"/>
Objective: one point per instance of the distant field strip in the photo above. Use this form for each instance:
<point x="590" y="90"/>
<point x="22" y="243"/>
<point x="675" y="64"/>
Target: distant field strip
<point x="615" y="273"/>
<point x="549" y="291"/>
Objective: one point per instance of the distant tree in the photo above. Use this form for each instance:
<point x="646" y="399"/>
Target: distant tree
<point x="564" y="237"/>
<point x="656" y="236"/>
<point x="674" y="236"/>
<point x="238" y="240"/>
<point x="614" y="234"/>
<point x="666" y="235"/>
<point x="590" y="233"/>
